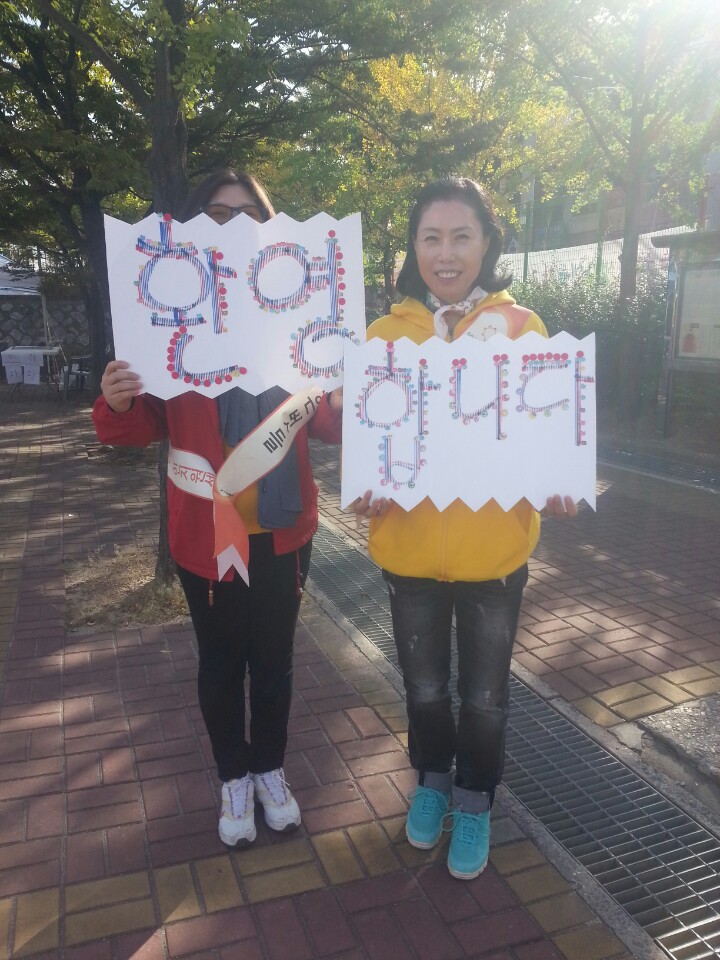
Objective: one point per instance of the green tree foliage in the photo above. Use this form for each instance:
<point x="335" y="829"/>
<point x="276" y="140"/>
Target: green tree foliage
<point x="108" y="102"/>
<point x="98" y="94"/>
<point x="636" y="77"/>
<point x="382" y="129"/>
<point x="67" y="142"/>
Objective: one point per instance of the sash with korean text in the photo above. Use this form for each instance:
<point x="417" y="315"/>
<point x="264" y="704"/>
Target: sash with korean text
<point x="253" y="458"/>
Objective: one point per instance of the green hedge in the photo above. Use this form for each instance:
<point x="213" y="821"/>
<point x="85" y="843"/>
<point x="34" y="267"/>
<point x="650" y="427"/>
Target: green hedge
<point x="629" y="339"/>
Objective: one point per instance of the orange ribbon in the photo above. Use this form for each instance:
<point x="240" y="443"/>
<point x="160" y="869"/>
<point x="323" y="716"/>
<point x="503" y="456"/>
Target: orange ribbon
<point x="232" y="544"/>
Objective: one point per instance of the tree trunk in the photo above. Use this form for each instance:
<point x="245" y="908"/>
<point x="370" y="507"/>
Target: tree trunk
<point x="165" y="568"/>
<point x="168" y="161"/>
<point x="630" y="355"/>
<point x="168" y="172"/>
<point x="629" y="256"/>
<point x="388" y="270"/>
<point x="634" y="197"/>
<point x="634" y="179"/>
<point x="98" y="294"/>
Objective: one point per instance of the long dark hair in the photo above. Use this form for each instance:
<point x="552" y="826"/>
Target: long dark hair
<point x="203" y="193"/>
<point x="409" y="281"/>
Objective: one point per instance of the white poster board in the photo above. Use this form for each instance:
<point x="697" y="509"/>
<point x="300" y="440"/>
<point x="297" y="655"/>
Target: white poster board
<point x="31" y="373"/>
<point x="23" y="364"/>
<point x="199" y="306"/>
<point x="476" y="420"/>
<point x="699" y="333"/>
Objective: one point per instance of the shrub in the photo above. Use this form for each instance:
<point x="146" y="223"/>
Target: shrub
<point x="629" y="337"/>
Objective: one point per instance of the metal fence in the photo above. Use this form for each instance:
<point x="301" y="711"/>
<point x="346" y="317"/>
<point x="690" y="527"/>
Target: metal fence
<point x="601" y="260"/>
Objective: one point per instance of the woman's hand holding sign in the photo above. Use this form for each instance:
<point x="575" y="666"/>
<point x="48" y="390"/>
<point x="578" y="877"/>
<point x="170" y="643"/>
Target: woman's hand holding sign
<point x="559" y="508"/>
<point x="366" y="508"/>
<point x="120" y="386"/>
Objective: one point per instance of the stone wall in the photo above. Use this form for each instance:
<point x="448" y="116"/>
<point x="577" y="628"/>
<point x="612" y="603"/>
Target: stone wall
<point x="21" y="323"/>
<point x="21" y="320"/>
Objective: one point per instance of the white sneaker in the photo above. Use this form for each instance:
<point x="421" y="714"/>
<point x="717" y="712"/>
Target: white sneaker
<point x="237" y="820"/>
<point x="281" y="809"/>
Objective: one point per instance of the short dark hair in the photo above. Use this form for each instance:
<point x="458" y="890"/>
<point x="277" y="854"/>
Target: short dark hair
<point x="203" y="193"/>
<point x="409" y="281"/>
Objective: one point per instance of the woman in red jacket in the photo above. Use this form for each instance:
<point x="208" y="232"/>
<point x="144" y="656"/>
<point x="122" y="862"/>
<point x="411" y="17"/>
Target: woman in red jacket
<point x="239" y="628"/>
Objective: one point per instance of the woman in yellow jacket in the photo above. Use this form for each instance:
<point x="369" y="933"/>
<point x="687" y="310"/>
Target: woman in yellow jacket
<point x="471" y="562"/>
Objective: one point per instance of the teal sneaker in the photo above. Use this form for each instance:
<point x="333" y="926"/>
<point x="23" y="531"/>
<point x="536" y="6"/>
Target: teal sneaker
<point x="425" y="817"/>
<point x="469" y="845"/>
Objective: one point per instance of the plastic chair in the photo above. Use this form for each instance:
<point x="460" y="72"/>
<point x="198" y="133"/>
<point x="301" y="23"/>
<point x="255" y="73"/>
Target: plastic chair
<point x="76" y="373"/>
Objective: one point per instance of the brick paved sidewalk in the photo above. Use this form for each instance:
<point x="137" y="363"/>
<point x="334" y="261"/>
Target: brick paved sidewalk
<point x="108" y="823"/>
<point x="621" y="616"/>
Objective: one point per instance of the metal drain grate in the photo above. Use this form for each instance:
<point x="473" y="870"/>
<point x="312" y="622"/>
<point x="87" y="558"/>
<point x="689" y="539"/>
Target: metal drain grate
<point x="651" y="857"/>
<point x="356" y="587"/>
<point x="657" y="862"/>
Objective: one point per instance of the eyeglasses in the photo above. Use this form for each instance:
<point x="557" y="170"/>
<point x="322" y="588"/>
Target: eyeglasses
<point x="221" y="212"/>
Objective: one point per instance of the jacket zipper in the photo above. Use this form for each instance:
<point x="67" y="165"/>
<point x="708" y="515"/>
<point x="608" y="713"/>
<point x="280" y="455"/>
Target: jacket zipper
<point x="443" y="546"/>
<point x="443" y="522"/>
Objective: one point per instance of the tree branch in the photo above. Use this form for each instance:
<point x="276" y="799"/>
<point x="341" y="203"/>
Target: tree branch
<point x="91" y="46"/>
<point x="571" y="89"/>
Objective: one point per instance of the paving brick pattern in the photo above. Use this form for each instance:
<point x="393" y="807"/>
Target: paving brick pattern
<point x="108" y="824"/>
<point x="622" y="612"/>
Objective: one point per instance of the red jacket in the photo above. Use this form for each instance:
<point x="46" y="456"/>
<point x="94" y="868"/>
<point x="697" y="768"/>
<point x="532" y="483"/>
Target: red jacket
<point x="192" y="422"/>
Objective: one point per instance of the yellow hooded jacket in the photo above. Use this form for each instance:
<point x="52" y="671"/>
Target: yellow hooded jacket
<point x="457" y="543"/>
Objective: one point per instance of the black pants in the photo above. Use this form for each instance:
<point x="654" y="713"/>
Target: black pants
<point x="248" y="629"/>
<point x="486" y="615"/>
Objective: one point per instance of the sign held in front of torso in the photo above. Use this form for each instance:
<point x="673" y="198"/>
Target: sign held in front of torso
<point x="208" y="307"/>
<point x="476" y="420"/>
<point x="204" y="307"/>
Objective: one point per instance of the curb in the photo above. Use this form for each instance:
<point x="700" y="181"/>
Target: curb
<point x="624" y="742"/>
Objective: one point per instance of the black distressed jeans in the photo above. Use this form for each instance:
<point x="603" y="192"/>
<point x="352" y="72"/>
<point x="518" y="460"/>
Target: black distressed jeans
<point x="248" y="630"/>
<point x="486" y="614"/>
